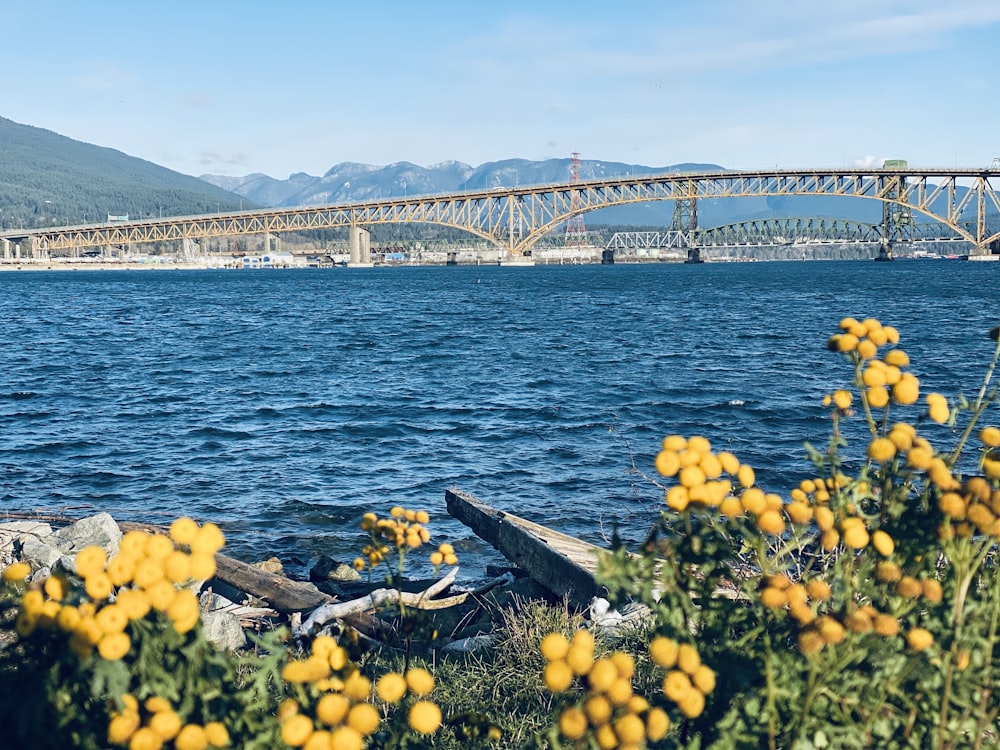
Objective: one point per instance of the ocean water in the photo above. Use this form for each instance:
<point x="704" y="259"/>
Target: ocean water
<point x="285" y="404"/>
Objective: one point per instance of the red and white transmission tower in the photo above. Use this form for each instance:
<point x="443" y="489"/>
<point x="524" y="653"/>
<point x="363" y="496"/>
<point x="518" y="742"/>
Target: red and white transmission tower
<point x="576" y="232"/>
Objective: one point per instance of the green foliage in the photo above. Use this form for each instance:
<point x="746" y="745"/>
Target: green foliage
<point x="50" y="180"/>
<point x="860" y="612"/>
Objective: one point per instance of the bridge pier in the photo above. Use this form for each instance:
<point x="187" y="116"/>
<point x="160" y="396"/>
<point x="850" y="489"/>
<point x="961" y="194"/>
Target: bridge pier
<point x="884" y="252"/>
<point x="694" y="256"/>
<point x="361" y="248"/>
<point x="6" y="249"/>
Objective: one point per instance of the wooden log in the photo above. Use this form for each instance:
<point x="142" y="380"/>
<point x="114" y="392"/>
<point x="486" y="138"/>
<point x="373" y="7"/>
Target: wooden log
<point x="564" y="565"/>
<point x="382" y="598"/>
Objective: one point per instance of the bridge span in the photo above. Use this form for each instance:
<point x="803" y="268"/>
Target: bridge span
<point x="514" y="219"/>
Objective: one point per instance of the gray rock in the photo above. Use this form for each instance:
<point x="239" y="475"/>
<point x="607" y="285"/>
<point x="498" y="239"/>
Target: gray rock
<point x="40" y="553"/>
<point x="223" y="630"/>
<point x="99" y="530"/>
<point x="13" y="533"/>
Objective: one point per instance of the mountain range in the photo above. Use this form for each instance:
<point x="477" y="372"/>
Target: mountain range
<point x="47" y="179"/>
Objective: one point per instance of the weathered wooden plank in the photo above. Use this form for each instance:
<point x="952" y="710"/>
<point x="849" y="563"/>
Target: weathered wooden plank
<point x="561" y="563"/>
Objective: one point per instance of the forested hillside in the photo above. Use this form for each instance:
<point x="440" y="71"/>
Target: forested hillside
<point x="47" y="179"/>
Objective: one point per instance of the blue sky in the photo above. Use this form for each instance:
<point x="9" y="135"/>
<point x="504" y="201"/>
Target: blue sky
<point x="225" y="87"/>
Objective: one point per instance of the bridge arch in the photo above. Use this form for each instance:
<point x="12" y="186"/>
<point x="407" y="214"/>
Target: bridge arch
<point x="514" y="219"/>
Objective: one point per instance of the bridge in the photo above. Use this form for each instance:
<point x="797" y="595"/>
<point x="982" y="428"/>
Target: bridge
<point x="514" y="219"/>
<point x="777" y="232"/>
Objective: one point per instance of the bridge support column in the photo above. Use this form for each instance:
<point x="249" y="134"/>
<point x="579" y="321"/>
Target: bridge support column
<point x="694" y="255"/>
<point x="884" y="252"/>
<point x="361" y="248"/>
<point x="6" y="249"/>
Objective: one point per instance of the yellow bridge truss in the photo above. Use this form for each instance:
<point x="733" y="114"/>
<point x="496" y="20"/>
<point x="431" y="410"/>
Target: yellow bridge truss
<point x="514" y="219"/>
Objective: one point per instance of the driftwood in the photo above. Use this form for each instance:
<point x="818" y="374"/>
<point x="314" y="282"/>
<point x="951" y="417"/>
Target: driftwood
<point x="564" y="565"/>
<point x="380" y="598"/>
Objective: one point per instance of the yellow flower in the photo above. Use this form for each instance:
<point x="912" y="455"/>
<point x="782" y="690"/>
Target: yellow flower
<point x="184" y="611"/>
<point x="886" y="625"/>
<point x="667" y="463"/>
<point x="217" y="734"/>
<point x="296" y="730"/>
<point x="877" y="396"/>
<point x="630" y="729"/>
<point x="692" y="704"/>
<point x="573" y="723"/>
<point x="881" y="450"/>
<point x="98" y="586"/>
<point x="676" y="685"/>
<point x="359" y="688"/>
<point x="122" y="726"/>
<point x="557" y="676"/>
<point x="937" y="408"/>
<point x="907" y="390"/>
<point x="990" y="437"/>
<point x="842" y="399"/>
<point x="704" y="679"/>
<point x="598" y="709"/>
<point x="601" y="675"/>
<point x="931" y="589"/>
<point x="134" y="603"/>
<point x="883" y="543"/>
<point x="55" y="587"/>
<point x="425" y="717"/>
<point x="208" y="540"/>
<point x="167" y="724"/>
<point x="18" y="571"/>
<point x="145" y="739"/>
<point x="161" y="595"/>
<point x="855" y="535"/>
<point x="332" y="708"/>
<point x="818" y="589"/>
<point x="147" y="572"/>
<point x="112" y="618"/>
<point x="897" y="358"/>
<point x="202" y="566"/>
<point x="184" y="530"/>
<point x="391" y="687"/>
<point x="554" y="646"/>
<point x="121" y="568"/>
<point x="657" y="724"/>
<point x="177" y="567"/>
<point x="363" y="718"/>
<point x="771" y="522"/>
<point x="158" y="547"/>
<point x="663" y="651"/>
<point x="191" y="737"/>
<point x="580" y="658"/>
<point x="344" y="738"/>
<point x="746" y="476"/>
<point x="919" y="639"/>
<point x="91" y="560"/>
<point x="909" y="587"/>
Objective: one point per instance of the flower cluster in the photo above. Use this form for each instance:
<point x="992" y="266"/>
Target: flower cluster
<point x="881" y="380"/>
<point x="147" y="573"/>
<point x="701" y="482"/>
<point x="403" y="530"/>
<point x="609" y="712"/>
<point x="688" y="680"/>
<point x="344" y="715"/>
<point x="424" y="716"/>
<point x="158" y="723"/>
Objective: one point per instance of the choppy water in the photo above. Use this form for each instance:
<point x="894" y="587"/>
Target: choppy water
<point x="284" y="404"/>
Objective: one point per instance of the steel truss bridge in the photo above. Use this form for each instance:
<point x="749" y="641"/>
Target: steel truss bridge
<point x="780" y="232"/>
<point x="514" y="219"/>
